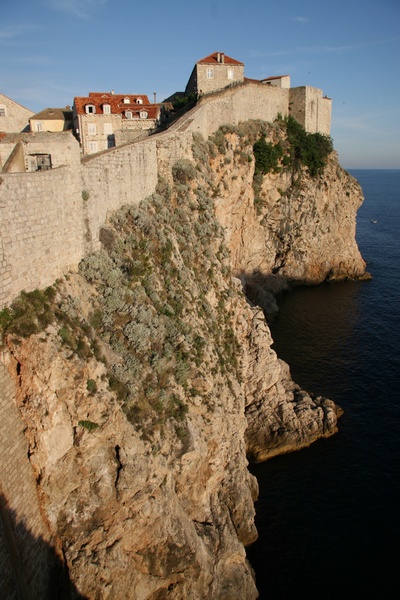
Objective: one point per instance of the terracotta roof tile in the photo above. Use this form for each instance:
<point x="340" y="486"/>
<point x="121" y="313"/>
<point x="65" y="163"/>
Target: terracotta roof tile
<point x="212" y="59"/>
<point x="116" y="103"/>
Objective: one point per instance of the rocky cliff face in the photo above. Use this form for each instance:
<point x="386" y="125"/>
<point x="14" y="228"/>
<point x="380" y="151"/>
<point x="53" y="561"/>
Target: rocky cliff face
<point x="146" y="379"/>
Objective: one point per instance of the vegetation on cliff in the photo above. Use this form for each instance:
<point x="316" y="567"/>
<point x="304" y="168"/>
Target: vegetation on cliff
<point x="298" y="149"/>
<point x="162" y="282"/>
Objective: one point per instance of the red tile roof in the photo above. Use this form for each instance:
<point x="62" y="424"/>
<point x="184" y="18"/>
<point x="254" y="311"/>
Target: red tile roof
<point x="212" y="59"/>
<point x="116" y="103"/>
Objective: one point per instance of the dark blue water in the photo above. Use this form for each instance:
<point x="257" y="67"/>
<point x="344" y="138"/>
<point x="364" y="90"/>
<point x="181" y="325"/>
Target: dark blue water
<point x="329" y="516"/>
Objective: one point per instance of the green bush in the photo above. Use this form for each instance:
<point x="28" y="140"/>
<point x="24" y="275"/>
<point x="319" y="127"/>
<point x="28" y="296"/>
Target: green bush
<point x="30" y="313"/>
<point x="310" y="149"/>
<point x="5" y="318"/>
<point x="267" y="156"/>
<point x="188" y="101"/>
<point x="183" y="171"/>
<point x="91" y="386"/>
<point x="89" y="425"/>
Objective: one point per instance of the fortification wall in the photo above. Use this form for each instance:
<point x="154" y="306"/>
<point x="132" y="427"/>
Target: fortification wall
<point x="41" y="228"/>
<point x="311" y="109"/>
<point x="124" y="175"/>
<point x="46" y="227"/>
<point x="48" y="222"/>
<point x="239" y="103"/>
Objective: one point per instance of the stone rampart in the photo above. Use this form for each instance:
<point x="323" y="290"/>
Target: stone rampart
<point x="50" y="220"/>
<point x="311" y="109"/>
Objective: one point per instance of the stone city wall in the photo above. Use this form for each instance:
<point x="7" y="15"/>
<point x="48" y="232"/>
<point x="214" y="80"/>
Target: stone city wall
<point x="50" y="220"/>
<point x="311" y="109"/>
<point x="62" y="146"/>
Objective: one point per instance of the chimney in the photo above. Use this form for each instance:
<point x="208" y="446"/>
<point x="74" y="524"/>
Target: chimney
<point x="112" y="92"/>
<point x="218" y="57"/>
<point x="222" y="57"/>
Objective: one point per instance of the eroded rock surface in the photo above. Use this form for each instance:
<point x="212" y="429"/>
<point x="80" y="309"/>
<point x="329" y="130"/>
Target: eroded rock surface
<point x="154" y="377"/>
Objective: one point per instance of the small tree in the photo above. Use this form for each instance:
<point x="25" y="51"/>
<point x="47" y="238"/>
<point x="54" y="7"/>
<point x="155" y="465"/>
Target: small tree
<point x="267" y="156"/>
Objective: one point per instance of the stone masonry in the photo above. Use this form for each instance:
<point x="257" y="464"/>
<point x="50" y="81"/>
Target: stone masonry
<point x="46" y="225"/>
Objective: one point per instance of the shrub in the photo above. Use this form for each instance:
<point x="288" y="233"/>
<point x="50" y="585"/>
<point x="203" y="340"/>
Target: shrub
<point x="64" y="334"/>
<point x="267" y="156"/>
<point x="91" y="386"/>
<point x="5" y="318"/>
<point x="183" y="171"/>
<point x="310" y="149"/>
<point x="187" y="101"/>
<point x="89" y="425"/>
<point x="30" y="313"/>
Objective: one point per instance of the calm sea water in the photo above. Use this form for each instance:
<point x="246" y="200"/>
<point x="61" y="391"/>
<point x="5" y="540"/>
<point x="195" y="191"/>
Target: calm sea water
<point x="329" y="516"/>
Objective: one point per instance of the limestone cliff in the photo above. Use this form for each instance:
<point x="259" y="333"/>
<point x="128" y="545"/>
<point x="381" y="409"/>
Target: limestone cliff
<point x="146" y="378"/>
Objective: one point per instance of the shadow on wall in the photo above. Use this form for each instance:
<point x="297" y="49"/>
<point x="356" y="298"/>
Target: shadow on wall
<point x="29" y="567"/>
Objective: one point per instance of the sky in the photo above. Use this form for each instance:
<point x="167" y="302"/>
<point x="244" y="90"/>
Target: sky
<point x="54" y="50"/>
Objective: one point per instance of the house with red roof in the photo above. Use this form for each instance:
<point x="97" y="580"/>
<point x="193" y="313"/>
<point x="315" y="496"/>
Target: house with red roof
<point x="214" y="72"/>
<point x="103" y="120"/>
<point x="217" y="71"/>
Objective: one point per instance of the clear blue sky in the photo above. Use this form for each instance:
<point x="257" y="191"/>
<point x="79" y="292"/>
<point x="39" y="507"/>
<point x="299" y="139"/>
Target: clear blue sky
<point x="53" y="50"/>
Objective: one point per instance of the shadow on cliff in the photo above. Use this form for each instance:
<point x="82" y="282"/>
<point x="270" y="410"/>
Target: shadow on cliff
<point x="262" y="290"/>
<point x="29" y="566"/>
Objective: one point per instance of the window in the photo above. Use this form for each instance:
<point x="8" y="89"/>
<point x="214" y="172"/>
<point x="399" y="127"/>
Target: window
<point x="108" y="128"/>
<point x="106" y="109"/>
<point x="210" y="74"/>
<point x="92" y="147"/>
<point x="230" y="73"/>
<point x="90" y="108"/>
<point x="91" y="129"/>
<point x="143" y="114"/>
<point x="128" y="114"/>
<point x="127" y="101"/>
<point x="39" y="126"/>
<point x="139" y="101"/>
<point x="3" y="112"/>
<point x="43" y="162"/>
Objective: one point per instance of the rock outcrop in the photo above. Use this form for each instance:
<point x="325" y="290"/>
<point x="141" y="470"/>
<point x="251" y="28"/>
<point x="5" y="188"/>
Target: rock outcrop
<point x="146" y="379"/>
<point x="301" y="228"/>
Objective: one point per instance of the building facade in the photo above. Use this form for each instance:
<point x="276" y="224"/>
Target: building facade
<point x="52" y="119"/>
<point x="214" y="72"/>
<point x="306" y="104"/>
<point x="14" y="117"/>
<point x="100" y="119"/>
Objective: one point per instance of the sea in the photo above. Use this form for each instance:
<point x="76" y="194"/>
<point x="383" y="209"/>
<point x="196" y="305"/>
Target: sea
<point x="328" y="516"/>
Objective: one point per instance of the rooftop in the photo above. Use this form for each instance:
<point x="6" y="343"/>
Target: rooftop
<point x="218" y="58"/>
